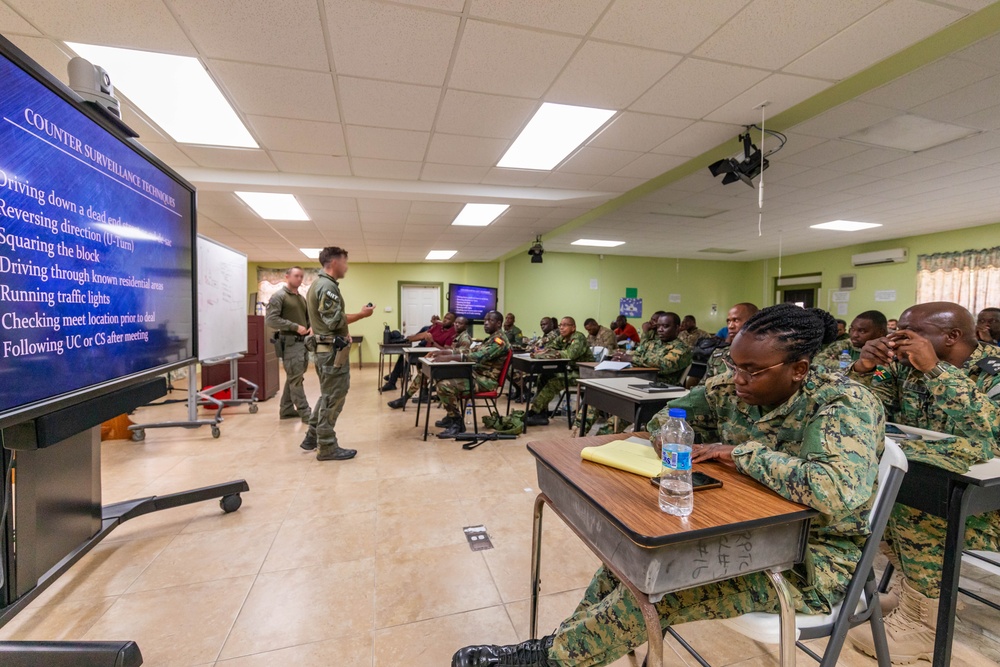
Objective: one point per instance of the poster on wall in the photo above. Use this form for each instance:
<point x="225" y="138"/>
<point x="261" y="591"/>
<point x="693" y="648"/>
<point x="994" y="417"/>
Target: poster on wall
<point x="630" y="307"/>
<point x="270" y="281"/>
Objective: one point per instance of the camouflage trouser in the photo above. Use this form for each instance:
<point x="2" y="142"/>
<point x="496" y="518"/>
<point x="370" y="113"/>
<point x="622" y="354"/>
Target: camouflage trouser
<point x="917" y="539"/>
<point x="449" y="392"/>
<point x="293" y="398"/>
<point x="414" y="386"/>
<point x="334" y="381"/>
<point x="551" y="389"/>
<point x="607" y="623"/>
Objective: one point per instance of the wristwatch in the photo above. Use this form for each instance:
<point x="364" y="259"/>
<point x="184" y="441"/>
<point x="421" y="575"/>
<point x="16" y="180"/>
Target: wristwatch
<point x="939" y="368"/>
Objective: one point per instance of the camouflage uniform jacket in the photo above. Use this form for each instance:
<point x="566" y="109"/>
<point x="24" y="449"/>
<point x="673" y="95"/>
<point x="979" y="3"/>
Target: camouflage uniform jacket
<point x="819" y="448"/>
<point x="828" y="359"/>
<point x="548" y="339"/>
<point x="278" y="317"/>
<point x="513" y="335"/>
<point x="671" y="358"/>
<point x="326" y="307"/>
<point x="693" y="336"/>
<point x="575" y="349"/>
<point x="716" y="363"/>
<point x="462" y="342"/>
<point x="489" y="357"/>
<point x="957" y="401"/>
<point x="605" y="338"/>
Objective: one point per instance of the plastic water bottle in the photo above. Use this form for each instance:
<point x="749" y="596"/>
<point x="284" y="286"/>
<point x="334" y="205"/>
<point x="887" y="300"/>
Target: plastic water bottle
<point x="628" y="345"/>
<point x="676" y="491"/>
<point x="468" y="413"/>
<point x="845" y="361"/>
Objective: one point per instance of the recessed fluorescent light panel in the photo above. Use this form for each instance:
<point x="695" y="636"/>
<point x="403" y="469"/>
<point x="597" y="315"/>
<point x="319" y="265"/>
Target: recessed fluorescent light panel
<point x="845" y="225"/>
<point x="479" y="215"/>
<point x="553" y="133"/>
<point x="910" y="133"/>
<point x="311" y="253"/>
<point x="273" y="206"/>
<point x="441" y="254"/>
<point x="175" y="92"/>
<point x="598" y="244"/>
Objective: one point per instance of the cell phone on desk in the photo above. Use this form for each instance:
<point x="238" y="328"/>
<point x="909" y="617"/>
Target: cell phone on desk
<point x="699" y="480"/>
<point x="894" y="431"/>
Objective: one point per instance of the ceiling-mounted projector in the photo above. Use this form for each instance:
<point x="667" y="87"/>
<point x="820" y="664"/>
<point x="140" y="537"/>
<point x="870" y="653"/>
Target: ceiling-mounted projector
<point x="536" y="251"/>
<point x="745" y="168"/>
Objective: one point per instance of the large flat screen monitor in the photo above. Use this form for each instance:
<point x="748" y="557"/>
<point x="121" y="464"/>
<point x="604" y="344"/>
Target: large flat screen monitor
<point x="96" y="251"/>
<point x="471" y="301"/>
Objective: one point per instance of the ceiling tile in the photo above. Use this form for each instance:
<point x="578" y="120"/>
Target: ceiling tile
<point x="638" y="131"/>
<point x="480" y="115"/>
<point x="969" y="100"/>
<point x="706" y="85"/>
<point x="256" y="31"/>
<point x="450" y="173"/>
<point x="609" y="76"/>
<point x="985" y="52"/>
<point x="473" y="151"/>
<point x="46" y="53"/>
<point x="885" y="31"/>
<point x="170" y="154"/>
<point x="374" y="205"/>
<point x="772" y="33"/>
<point x="509" y="61"/>
<point x="780" y="91"/>
<point x="298" y="136"/>
<point x="590" y="160"/>
<point x="229" y="158"/>
<point x="385" y="144"/>
<point x="670" y="25"/>
<point x="325" y="203"/>
<point x="11" y="23"/>
<point x="862" y="160"/>
<point x="138" y="24"/>
<point x="443" y="208"/>
<point x="520" y="177"/>
<point x="619" y="184"/>
<point x="573" y="16"/>
<point x="845" y="119"/>
<point x="822" y="154"/>
<point x="698" y="138"/>
<point x="384" y="104"/>
<point x="987" y="119"/>
<point x="398" y="169"/>
<point x="927" y="83"/>
<point x="650" y="165"/>
<point x="308" y="163"/>
<point x="276" y="91"/>
<point x="557" y="179"/>
<point x="390" y="42"/>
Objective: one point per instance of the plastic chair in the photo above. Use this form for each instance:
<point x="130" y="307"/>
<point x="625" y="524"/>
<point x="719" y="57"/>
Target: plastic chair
<point x="489" y="398"/>
<point x="765" y="627"/>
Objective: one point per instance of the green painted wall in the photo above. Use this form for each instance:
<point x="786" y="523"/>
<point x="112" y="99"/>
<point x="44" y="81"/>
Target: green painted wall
<point x="900" y="277"/>
<point x="378" y="283"/>
<point x="561" y="286"/>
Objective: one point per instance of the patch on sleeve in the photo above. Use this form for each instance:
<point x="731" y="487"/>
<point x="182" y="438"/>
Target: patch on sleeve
<point x="498" y="340"/>
<point x="879" y="375"/>
<point x="990" y="365"/>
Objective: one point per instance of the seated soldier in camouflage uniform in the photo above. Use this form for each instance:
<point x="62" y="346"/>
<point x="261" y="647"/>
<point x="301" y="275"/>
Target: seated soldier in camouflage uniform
<point x="664" y="352"/>
<point x="461" y="343"/>
<point x="866" y="326"/>
<point x="649" y="328"/>
<point x="490" y="357"/>
<point x="932" y="374"/>
<point x="812" y="438"/>
<point x="571" y="345"/>
<point x="511" y="330"/>
<point x="735" y="319"/>
<point x="690" y="333"/>
<point x="599" y="336"/>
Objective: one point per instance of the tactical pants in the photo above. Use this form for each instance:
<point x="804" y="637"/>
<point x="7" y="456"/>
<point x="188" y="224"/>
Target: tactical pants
<point x="450" y="392"/>
<point x="293" y="398"/>
<point x="917" y="539"/>
<point x="334" y="382"/>
<point x="608" y="623"/>
<point x="550" y="390"/>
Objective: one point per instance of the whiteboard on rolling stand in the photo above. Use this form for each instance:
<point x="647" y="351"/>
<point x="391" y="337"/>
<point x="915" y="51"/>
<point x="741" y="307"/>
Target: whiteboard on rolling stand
<point x="222" y="297"/>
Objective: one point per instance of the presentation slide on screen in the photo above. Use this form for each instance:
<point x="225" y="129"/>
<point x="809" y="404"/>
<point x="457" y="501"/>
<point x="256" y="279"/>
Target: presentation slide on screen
<point x="95" y="251"/>
<point x="471" y="301"/>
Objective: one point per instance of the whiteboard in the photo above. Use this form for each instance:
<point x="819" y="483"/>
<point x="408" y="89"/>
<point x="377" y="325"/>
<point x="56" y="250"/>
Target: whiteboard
<point x="222" y="299"/>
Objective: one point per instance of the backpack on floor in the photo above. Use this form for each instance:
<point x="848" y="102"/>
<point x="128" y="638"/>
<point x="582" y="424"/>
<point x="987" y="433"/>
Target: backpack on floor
<point x="512" y="424"/>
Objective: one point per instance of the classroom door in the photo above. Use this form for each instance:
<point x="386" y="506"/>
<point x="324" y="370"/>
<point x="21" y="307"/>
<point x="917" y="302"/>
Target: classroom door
<point x="806" y="298"/>
<point x="416" y="305"/>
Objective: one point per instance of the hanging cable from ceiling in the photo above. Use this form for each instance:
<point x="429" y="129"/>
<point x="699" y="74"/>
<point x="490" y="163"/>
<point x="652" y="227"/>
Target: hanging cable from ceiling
<point x="760" y="180"/>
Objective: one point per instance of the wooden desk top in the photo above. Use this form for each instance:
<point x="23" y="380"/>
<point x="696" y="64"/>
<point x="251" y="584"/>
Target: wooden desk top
<point x="620" y="386"/>
<point x="631" y="503"/>
<point x="420" y="350"/>
<point x="430" y="362"/>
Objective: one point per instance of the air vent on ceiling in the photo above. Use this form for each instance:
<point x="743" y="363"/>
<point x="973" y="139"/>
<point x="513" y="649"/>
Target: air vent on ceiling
<point x="678" y="211"/>
<point x="723" y="251"/>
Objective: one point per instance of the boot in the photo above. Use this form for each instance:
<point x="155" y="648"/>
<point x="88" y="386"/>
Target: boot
<point x="909" y="628"/>
<point x="457" y="427"/>
<point x="398" y="403"/>
<point x="423" y="397"/>
<point x="389" y="386"/>
<point x="445" y="422"/>
<point x="532" y="653"/>
<point x="337" y="454"/>
<point x="309" y="443"/>
<point x="536" y="419"/>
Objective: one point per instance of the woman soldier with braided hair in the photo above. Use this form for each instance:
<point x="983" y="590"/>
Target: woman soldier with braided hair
<point x="811" y="437"/>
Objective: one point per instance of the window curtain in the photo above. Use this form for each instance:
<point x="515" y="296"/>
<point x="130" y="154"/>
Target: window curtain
<point x="970" y="278"/>
<point x="270" y="281"/>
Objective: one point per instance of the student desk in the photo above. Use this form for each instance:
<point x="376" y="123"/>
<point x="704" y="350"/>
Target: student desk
<point x="740" y="528"/>
<point x="360" y="342"/>
<point x="955" y="497"/>
<point x="388" y="350"/>
<point x="614" y="396"/>
<point x="532" y="369"/>
<point x="634" y="373"/>
<point x="412" y="355"/>
<point x="432" y="371"/>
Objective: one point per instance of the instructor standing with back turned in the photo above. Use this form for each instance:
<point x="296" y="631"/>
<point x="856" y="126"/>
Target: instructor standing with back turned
<point x="332" y="344"/>
<point x="288" y="315"/>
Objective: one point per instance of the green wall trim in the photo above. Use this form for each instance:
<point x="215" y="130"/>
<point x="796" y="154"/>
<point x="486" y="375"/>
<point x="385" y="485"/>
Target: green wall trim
<point x="955" y="37"/>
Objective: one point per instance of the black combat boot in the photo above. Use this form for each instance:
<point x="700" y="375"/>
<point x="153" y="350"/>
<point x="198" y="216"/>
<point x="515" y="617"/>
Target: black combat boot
<point x="398" y="403"/>
<point x="336" y="454"/>
<point x="445" y="422"/>
<point x="457" y="426"/>
<point x="309" y="443"/>
<point x="532" y="653"/>
<point x="536" y="419"/>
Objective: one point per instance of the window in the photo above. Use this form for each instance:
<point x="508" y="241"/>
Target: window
<point x="970" y="278"/>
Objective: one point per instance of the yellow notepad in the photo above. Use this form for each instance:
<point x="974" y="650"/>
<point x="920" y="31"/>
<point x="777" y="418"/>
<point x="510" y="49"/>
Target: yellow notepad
<point x="633" y="455"/>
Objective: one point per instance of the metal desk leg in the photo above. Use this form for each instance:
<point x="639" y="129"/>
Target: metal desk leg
<point x="381" y="368"/>
<point x="958" y="512"/>
<point x="526" y="388"/>
<point x="787" y="616"/>
<point x="427" y="417"/>
<point x="569" y="416"/>
<point x="423" y="381"/>
<point x="536" y="564"/>
<point x="583" y="407"/>
<point x="406" y="379"/>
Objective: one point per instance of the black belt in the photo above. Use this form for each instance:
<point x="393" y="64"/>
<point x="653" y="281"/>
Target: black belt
<point x="295" y="337"/>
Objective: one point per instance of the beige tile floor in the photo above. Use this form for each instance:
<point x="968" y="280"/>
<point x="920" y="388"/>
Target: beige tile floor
<point x="345" y="563"/>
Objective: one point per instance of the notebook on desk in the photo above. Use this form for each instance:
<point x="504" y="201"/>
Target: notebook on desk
<point x="634" y="455"/>
<point x="655" y="387"/>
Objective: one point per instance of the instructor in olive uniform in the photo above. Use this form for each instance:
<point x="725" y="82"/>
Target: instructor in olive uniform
<point x="332" y="344"/>
<point x="288" y="315"/>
